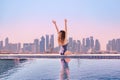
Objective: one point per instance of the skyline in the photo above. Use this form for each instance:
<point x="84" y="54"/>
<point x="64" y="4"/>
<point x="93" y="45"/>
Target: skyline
<point x="46" y="45"/>
<point x="22" y="21"/>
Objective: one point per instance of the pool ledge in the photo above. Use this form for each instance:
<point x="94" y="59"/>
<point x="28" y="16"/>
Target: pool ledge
<point x="81" y="56"/>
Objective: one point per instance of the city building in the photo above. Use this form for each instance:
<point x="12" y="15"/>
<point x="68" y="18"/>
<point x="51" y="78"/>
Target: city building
<point x="78" y="46"/>
<point x="47" y="43"/>
<point x="6" y="44"/>
<point x="97" y="45"/>
<point x="91" y="42"/>
<point x="1" y="45"/>
<point x="36" y="46"/>
<point x="113" y="45"/>
<point x="42" y="45"/>
<point x="70" y="44"/>
<point x="28" y="48"/>
<point x="118" y="45"/>
<point x="51" y="43"/>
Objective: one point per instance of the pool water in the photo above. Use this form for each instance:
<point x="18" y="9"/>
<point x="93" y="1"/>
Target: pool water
<point x="59" y="69"/>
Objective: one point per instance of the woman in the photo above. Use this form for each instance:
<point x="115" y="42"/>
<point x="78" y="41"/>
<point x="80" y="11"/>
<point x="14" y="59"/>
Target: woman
<point x="62" y="37"/>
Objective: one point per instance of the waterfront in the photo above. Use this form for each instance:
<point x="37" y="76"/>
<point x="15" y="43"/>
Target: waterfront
<point x="55" y="69"/>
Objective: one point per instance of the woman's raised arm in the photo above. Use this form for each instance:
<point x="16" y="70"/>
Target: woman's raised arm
<point x="65" y="25"/>
<point x="54" y="22"/>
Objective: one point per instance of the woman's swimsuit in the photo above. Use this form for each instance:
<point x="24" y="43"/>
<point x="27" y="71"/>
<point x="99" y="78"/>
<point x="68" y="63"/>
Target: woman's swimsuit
<point x="63" y="49"/>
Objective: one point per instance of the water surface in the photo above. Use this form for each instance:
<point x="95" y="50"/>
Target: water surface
<point x="59" y="69"/>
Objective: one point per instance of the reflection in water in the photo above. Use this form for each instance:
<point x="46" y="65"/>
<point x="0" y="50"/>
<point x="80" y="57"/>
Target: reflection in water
<point x="64" y="74"/>
<point x="78" y="61"/>
<point x="8" y="64"/>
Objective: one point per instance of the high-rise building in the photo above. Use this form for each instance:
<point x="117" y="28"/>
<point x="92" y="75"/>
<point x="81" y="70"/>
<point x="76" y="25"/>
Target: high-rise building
<point x="83" y="47"/>
<point x="28" y="47"/>
<point x="88" y="43"/>
<point x="13" y="48"/>
<point x="7" y="43"/>
<point x="1" y="45"/>
<point x="109" y="45"/>
<point x="118" y="45"/>
<point x="52" y="43"/>
<point x="113" y="45"/>
<point x="78" y="46"/>
<point x="74" y="47"/>
<point x="42" y="44"/>
<point x="47" y="42"/>
<point x="83" y="42"/>
<point x="70" y="44"/>
<point x="97" y="45"/>
<point x="91" y="42"/>
<point x="19" y="47"/>
<point x="36" y="46"/>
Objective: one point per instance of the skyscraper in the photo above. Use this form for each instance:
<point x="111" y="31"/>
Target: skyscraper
<point x="88" y="43"/>
<point x="118" y="45"/>
<point x="1" y="45"/>
<point x="47" y="42"/>
<point x="83" y="47"/>
<point x="74" y="47"/>
<point x="78" y="45"/>
<point x="52" y="43"/>
<point x="113" y="45"/>
<point x="42" y="44"/>
<point x="36" y="45"/>
<point x="19" y="47"/>
<point x="28" y="47"/>
<point x="70" y="44"/>
<point x="97" y="45"/>
<point x="83" y="42"/>
<point x="109" y="45"/>
<point x="7" y="43"/>
<point x="13" y="47"/>
<point x="91" y="42"/>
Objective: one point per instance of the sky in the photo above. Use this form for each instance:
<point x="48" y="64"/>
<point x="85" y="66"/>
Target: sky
<point x="25" y="20"/>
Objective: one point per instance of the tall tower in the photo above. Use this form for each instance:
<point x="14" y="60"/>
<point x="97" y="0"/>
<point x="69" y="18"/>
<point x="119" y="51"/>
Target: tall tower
<point x="47" y="42"/>
<point x="78" y="45"/>
<point x="52" y="43"/>
<point x="36" y="46"/>
<point x="87" y="43"/>
<point x="7" y="43"/>
<point x="118" y="45"/>
<point x="97" y="45"/>
<point x="42" y="44"/>
<point x="18" y="47"/>
<point x="91" y="42"/>
<point x="83" y="45"/>
<point x="1" y="45"/>
<point x="113" y="45"/>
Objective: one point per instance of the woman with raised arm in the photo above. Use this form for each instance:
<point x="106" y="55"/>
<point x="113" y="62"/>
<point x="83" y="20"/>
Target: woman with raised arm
<point x="62" y="37"/>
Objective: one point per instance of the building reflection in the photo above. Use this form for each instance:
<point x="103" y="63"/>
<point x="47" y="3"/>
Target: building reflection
<point x="8" y="64"/>
<point x="64" y="73"/>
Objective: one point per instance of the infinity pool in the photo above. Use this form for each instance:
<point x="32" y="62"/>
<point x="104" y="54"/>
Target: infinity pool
<point x="59" y="69"/>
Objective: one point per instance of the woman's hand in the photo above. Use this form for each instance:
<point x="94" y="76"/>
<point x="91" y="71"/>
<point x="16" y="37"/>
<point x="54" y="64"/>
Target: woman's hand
<point x="53" y="21"/>
<point x="65" y="20"/>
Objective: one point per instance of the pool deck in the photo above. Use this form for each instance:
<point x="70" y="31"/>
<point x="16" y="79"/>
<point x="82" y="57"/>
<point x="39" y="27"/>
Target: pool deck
<point x="81" y="56"/>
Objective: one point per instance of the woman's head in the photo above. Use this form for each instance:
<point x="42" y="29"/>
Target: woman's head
<point x="61" y="36"/>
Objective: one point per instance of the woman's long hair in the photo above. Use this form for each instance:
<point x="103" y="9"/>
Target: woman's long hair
<point x="61" y="37"/>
